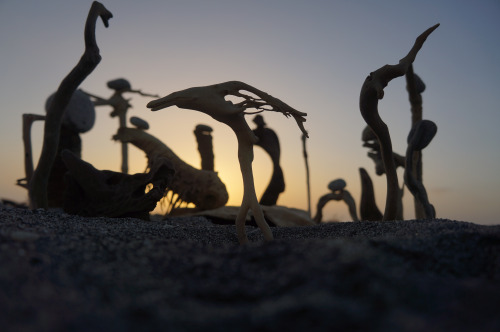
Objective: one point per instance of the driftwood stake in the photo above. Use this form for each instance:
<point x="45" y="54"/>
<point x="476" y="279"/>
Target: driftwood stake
<point x="28" y="120"/>
<point x="308" y="181"/>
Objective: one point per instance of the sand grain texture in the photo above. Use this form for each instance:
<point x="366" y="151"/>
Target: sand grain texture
<point x="60" y="272"/>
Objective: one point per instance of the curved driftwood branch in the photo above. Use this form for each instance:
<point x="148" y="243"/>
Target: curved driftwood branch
<point x="373" y="90"/>
<point x="89" y="60"/>
<point x="211" y="100"/>
<point x="420" y="136"/>
<point x="415" y="86"/>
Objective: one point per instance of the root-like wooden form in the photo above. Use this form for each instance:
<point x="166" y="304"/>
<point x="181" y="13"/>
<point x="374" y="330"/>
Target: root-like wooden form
<point x="211" y="100"/>
<point x="94" y="193"/>
<point x="88" y="62"/>
<point x="373" y="90"/>
<point x="415" y="86"/>
<point x="203" y="188"/>
<point x="420" y="136"/>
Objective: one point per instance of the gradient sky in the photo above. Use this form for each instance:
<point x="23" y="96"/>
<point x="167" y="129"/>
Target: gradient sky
<point x="314" y="55"/>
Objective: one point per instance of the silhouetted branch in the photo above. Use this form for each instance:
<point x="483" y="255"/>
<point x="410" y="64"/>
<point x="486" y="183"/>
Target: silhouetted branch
<point x="373" y="90"/>
<point x="420" y="136"/>
<point x="88" y="62"/>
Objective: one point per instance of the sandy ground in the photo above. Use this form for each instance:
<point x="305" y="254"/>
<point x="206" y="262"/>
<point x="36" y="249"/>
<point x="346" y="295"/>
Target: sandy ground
<point x="66" y="273"/>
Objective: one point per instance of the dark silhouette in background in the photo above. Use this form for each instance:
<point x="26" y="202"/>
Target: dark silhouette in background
<point x="268" y="140"/>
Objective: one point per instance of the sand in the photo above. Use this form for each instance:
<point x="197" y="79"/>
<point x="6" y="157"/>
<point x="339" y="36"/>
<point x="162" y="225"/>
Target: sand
<point x="66" y="273"/>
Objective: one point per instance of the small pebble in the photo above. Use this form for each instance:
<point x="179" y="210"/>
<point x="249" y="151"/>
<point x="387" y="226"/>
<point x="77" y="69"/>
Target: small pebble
<point x="336" y="185"/>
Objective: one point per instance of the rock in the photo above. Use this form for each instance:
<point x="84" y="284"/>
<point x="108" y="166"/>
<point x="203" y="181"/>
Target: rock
<point x="337" y="185"/>
<point x="422" y="134"/>
<point x="79" y="115"/>
<point x="119" y="84"/>
<point x="139" y="123"/>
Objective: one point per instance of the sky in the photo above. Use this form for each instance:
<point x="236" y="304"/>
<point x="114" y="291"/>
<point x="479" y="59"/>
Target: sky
<point x="313" y="55"/>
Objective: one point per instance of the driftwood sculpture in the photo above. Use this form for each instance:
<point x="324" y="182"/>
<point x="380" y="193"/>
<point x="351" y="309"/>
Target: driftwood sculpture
<point x="203" y="134"/>
<point x="415" y="87"/>
<point x="88" y="62"/>
<point x="420" y="136"/>
<point x="338" y="193"/>
<point x="268" y="140"/>
<point x="368" y="209"/>
<point x="94" y="193"/>
<point x="120" y="107"/>
<point x="203" y="188"/>
<point x="373" y="90"/>
<point x="211" y="100"/>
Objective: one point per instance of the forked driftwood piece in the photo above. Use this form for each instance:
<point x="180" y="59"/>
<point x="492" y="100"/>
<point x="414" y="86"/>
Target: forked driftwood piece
<point x="373" y="90"/>
<point x="420" y="136"/>
<point x="28" y="120"/>
<point x="203" y="134"/>
<point x="368" y="209"/>
<point x="338" y="193"/>
<point x="88" y="62"/>
<point x="203" y="188"/>
<point x="268" y="140"/>
<point x="211" y="100"/>
<point x="94" y="193"/>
